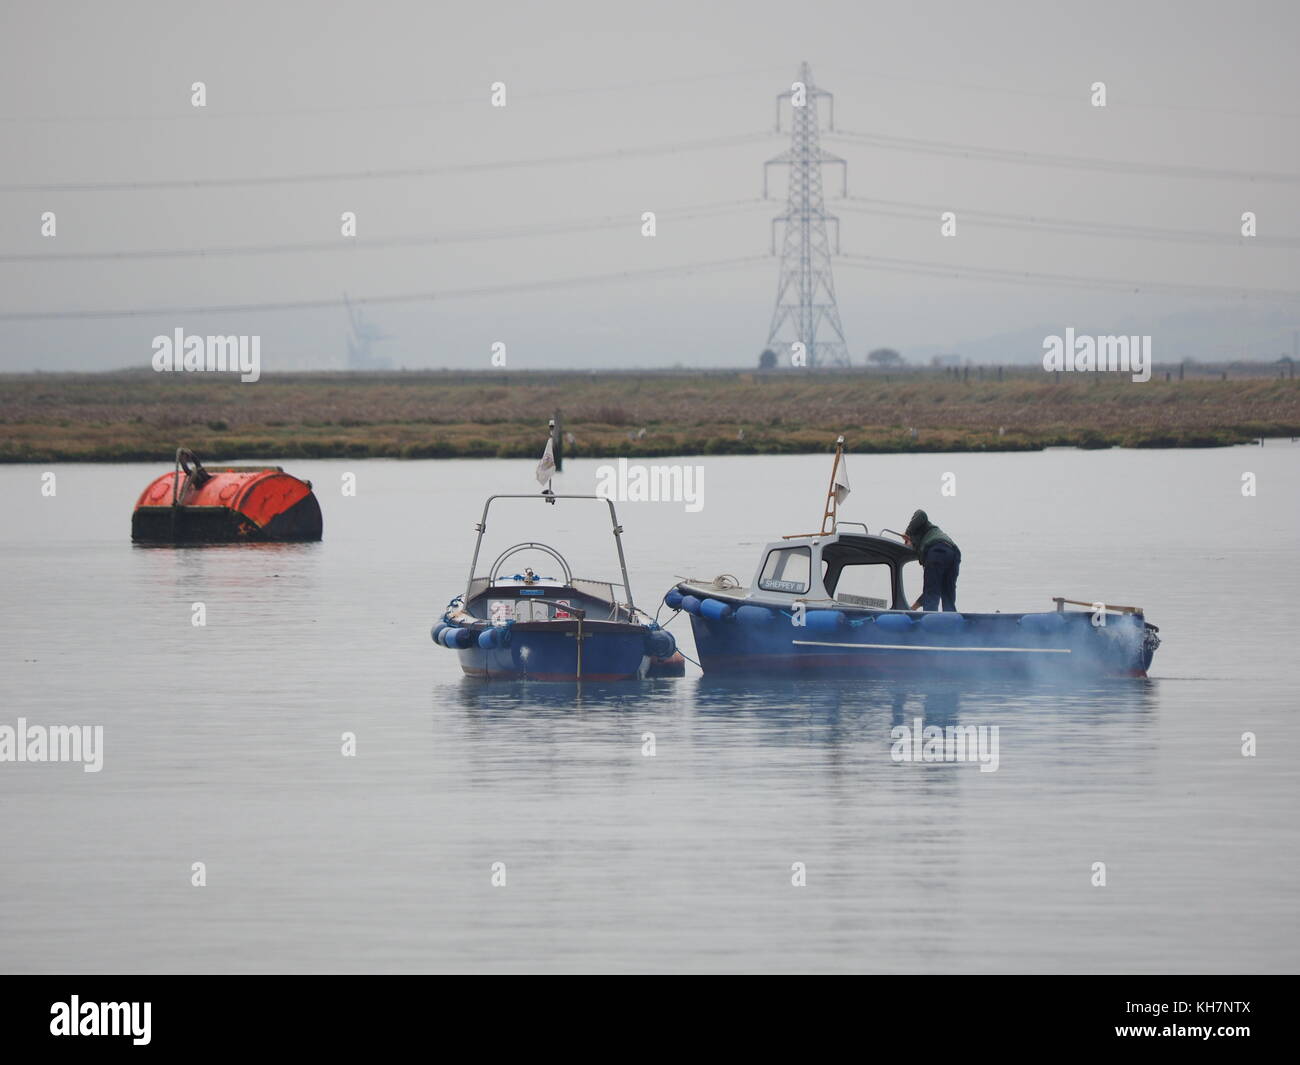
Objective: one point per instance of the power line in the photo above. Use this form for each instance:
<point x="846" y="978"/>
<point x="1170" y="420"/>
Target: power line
<point x="1068" y="98"/>
<point x="209" y="114"/>
<point x="1077" y="162"/>
<point x="356" y="244"/>
<point x="387" y="174"/>
<point x="1059" y="225"/>
<point x="987" y="273"/>
<point x="910" y="210"/>
<point x="687" y="269"/>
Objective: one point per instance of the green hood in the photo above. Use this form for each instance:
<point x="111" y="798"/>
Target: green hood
<point x="925" y="534"/>
<point x="917" y="526"/>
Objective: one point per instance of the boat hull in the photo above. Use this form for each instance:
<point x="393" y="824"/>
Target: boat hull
<point x="548" y="651"/>
<point x="913" y="644"/>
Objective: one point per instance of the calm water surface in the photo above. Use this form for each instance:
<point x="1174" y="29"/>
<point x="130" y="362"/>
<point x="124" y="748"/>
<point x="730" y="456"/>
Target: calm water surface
<point x="222" y="742"/>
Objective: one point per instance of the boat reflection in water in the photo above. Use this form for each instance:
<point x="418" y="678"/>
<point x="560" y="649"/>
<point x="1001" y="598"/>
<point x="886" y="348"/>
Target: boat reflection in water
<point x="715" y="718"/>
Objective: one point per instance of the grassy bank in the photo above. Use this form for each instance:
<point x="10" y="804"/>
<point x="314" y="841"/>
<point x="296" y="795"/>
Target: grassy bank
<point x="143" y="416"/>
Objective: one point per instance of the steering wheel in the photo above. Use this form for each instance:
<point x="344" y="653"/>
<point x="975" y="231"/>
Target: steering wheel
<point x="509" y="551"/>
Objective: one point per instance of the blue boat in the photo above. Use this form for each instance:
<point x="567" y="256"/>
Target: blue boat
<point x="834" y="601"/>
<point x="515" y="624"/>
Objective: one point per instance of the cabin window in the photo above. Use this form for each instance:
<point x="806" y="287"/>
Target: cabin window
<point x="787" y="569"/>
<point x="869" y="585"/>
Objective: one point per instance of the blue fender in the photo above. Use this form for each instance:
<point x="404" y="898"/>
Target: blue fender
<point x="455" y="637"/>
<point x="660" y="643"/>
<point x="824" y="620"/>
<point x="894" y="622"/>
<point x="715" y="609"/>
<point x="945" y="622"/>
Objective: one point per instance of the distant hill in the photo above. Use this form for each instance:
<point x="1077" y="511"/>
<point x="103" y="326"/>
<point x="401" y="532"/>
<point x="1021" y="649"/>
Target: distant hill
<point x="1204" y="335"/>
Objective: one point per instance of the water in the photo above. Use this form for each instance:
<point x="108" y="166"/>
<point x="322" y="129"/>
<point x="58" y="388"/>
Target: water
<point x="222" y="742"/>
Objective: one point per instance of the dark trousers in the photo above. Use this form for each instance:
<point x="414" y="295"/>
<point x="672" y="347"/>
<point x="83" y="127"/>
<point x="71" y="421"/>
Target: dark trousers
<point x="941" y="566"/>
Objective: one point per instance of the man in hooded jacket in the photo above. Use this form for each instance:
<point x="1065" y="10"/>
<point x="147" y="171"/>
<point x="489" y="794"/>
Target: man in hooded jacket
<point x="941" y="559"/>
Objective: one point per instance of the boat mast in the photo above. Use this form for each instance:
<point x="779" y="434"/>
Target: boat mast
<point x="832" y="500"/>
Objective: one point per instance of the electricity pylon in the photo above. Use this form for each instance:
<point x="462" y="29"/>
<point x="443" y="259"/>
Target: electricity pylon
<point x="805" y="291"/>
<point x="364" y="333"/>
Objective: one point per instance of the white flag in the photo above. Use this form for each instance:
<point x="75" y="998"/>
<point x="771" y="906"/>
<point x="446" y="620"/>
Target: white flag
<point x="546" y="467"/>
<point x="841" y="481"/>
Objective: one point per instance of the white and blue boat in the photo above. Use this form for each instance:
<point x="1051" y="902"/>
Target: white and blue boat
<point x="512" y="623"/>
<point x="834" y="601"/>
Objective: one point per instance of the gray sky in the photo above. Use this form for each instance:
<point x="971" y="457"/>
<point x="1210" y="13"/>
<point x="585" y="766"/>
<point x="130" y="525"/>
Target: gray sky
<point x="100" y="93"/>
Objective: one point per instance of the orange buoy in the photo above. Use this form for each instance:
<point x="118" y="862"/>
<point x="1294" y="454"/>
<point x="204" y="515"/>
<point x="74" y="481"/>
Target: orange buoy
<point x="225" y="504"/>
